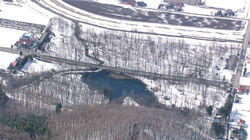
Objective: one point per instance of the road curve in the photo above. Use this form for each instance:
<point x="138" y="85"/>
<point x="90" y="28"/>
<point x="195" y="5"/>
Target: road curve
<point x="74" y="14"/>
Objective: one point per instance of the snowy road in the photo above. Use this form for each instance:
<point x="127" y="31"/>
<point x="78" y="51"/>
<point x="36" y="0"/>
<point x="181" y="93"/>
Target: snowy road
<point x="237" y="76"/>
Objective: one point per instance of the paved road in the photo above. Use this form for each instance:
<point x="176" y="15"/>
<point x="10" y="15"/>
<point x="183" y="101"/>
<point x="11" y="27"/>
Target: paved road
<point x="176" y="19"/>
<point x="238" y="74"/>
<point x="19" y="25"/>
<point x="14" y="51"/>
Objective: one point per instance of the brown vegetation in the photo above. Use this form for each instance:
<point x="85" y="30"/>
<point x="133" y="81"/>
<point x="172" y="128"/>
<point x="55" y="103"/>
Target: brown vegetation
<point x="118" y="122"/>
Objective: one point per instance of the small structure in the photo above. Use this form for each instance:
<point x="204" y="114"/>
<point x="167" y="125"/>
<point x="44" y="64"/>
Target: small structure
<point x="27" y="41"/>
<point x="243" y="89"/>
<point x="128" y="2"/>
<point x="237" y="100"/>
<point x="242" y="122"/>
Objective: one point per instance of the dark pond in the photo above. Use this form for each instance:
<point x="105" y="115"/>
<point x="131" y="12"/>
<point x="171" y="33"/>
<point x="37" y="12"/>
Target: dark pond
<point x="117" y="88"/>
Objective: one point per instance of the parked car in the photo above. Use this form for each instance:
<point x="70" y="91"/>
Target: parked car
<point x="179" y="8"/>
<point x="161" y="6"/>
<point x="229" y="13"/>
<point x="170" y="6"/>
<point x="225" y="13"/>
<point x="141" y="4"/>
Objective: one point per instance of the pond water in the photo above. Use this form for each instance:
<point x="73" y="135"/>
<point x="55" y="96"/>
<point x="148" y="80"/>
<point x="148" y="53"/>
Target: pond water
<point x="117" y="88"/>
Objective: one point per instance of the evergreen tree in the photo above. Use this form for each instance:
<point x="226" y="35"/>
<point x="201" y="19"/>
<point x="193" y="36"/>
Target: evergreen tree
<point x="58" y="107"/>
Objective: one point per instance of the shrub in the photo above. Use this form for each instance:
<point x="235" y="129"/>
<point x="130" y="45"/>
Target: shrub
<point x="218" y="129"/>
<point x="209" y="110"/>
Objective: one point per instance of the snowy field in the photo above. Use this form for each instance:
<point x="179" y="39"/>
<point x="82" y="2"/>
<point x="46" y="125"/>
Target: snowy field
<point x="9" y="36"/>
<point x="25" y="13"/>
<point x="6" y="59"/>
<point x="37" y="66"/>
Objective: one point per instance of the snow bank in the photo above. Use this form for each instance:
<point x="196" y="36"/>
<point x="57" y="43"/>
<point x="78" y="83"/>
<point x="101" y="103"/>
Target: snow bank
<point x="227" y="74"/>
<point x="25" y="13"/>
<point x="198" y="10"/>
<point x="245" y="81"/>
<point x="227" y="4"/>
<point x="9" y="36"/>
<point x="36" y="66"/>
<point x="6" y="59"/>
<point x="114" y="2"/>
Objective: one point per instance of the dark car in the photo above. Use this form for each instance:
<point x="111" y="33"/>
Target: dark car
<point x="161" y="6"/>
<point x="170" y="6"/>
<point x="179" y="8"/>
<point x="229" y="13"/>
<point x="141" y="4"/>
<point x="219" y="13"/>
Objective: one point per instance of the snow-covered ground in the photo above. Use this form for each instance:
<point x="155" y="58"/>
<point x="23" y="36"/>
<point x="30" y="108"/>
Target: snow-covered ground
<point x="245" y="80"/>
<point x="128" y="101"/>
<point x="227" y="4"/>
<point x="29" y="12"/>
<point x="242" y="111"/>
<point x="9" y="36"/>
<point x="37" y="66"/>
<point x="188" y="95"/>
<point x="6" y="59"/>
<point x="64" y="43"/>
<point x="24" y="12"/>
